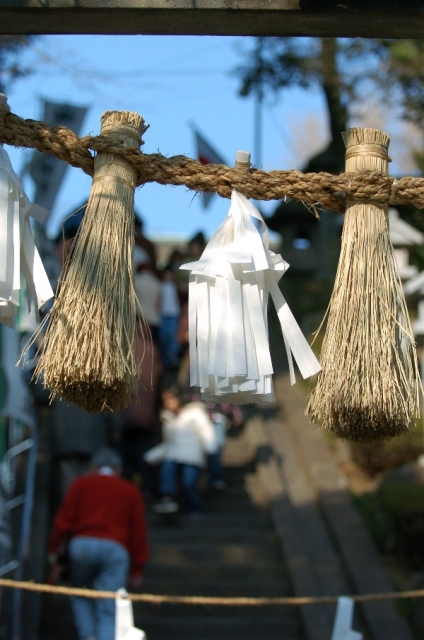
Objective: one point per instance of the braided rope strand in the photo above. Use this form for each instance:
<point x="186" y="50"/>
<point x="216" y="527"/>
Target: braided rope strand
<point x="239" y="601"/>
<point x="311" y="188"/>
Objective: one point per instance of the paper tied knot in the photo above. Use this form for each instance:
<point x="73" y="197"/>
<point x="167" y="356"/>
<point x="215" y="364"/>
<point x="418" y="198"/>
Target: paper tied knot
<point x="228" y="327"/>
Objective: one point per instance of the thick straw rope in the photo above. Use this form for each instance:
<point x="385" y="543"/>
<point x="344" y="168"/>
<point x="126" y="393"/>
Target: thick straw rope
<point x="311" y="188"/>
<point x="154" y="598"/>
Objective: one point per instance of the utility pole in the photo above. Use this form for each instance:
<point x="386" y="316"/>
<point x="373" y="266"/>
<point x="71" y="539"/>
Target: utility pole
<point x="257" y="148"/>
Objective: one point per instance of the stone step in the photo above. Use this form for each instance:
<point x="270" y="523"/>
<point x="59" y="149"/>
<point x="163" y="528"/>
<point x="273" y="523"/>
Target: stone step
<point x="240" y="507"/>
<point x="55" y="608"/>
<point x="249" y="587"/>
<point x="236" y="521"/>
<point x="206" y="553"/>
<point x="212" y="571"/>
<point x="210" y="626"/>
<point x="234" y="497"/>
<point x="217" y="535"/>
<point x="211" y="612"/>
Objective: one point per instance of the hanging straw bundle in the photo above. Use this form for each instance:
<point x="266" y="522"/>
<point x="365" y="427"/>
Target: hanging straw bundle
<point x="369" y="385"/>
<point x="88" y="347"/>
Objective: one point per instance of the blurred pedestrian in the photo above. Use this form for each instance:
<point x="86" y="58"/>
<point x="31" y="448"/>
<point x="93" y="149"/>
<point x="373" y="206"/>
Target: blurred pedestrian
<point x="183" y="337"/>
<point x="144" y="243"/>
<point x="221" y="422"/>
<point x="188" y="437"/>
<point x="195" y="247"/>
<point x="140" y="421"/>
<point x="169" y="320"/>
<point x="103" y="518"/>
<point x="75" y="435"/>
<point x="148" y="288"/>
<point x="175" y="260"/>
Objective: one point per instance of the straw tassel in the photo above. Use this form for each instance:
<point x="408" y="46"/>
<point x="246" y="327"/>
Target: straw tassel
<point x="88" y="347"/>
<point x="228" y="299"/>
<point x="369" y="387"/>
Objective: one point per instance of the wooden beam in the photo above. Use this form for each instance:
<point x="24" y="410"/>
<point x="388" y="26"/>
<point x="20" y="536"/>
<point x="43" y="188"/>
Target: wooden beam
<point x="376" y="18"/>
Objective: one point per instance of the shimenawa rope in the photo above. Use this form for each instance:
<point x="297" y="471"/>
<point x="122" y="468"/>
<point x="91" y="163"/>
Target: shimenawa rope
<point x="327" y="189"/>
<point x="208" y="600"/>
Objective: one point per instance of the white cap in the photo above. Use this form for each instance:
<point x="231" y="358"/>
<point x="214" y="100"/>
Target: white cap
<point x="243" y="156"/>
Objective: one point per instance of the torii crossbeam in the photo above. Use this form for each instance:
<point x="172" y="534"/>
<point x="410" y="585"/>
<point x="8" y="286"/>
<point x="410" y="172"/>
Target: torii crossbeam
<point x="321" y="18"/>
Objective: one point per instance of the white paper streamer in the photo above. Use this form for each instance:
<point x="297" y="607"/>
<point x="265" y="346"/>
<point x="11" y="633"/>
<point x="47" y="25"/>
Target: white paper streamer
<point x="342" y="629"/>
<point x="18" y="253"/>
<point x="228" y="326"/>
<point x="124" y="619"/>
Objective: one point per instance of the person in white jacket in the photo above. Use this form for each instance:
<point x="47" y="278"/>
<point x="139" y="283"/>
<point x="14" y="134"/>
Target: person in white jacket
<point x="189" y="436"/>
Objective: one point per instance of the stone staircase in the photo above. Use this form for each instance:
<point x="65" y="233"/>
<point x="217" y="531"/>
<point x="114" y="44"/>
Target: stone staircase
<point x="231" y="551"/>
<point x="285" y="526"/>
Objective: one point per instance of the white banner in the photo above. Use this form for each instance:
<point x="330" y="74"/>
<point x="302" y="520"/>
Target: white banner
<point x="48" y="171"/>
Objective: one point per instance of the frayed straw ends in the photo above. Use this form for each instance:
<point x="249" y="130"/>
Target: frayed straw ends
<point x="88" y="355"/>
<point x="369" y="386"/>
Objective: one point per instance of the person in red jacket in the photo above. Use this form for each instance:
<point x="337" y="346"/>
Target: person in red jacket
<point x="103" y="518"/>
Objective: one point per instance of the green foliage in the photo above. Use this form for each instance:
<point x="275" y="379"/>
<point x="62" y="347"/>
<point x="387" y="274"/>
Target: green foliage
<point x="377" y="457"/>
<point x="374" y="518"/>
<point x="10" y="67"/>
<point x="403" y="504"/>
<point x="405" y="607"/>
<point x="394" y="517"/>
<point x="280" y="63"/>
<point x="407" y="73"/>
<point x="394" y="69"/>
<point x="347" y="70"/>
<point x="402" y="499"/>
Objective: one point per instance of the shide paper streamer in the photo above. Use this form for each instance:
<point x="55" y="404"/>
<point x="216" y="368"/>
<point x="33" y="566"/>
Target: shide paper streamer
<point x="228" y="298"/>
<point x="18" y="253"/>
<point x="124" y="619"/>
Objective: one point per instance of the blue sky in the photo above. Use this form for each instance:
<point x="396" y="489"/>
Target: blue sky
<point x="170" y="81"/>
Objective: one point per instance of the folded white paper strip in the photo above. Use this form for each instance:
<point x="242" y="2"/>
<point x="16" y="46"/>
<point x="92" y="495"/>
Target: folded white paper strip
<point x="342" y="629"/>
<point x="18" y="253"/>
<point x="228" y="298"/>
<point x="124" y="619"/>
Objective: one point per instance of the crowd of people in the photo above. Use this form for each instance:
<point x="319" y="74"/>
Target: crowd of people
<point x="156" y="454"/>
